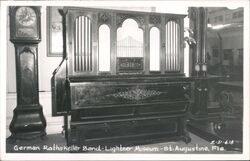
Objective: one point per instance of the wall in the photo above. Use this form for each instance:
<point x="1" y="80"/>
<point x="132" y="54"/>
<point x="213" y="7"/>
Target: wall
<point x="233" y="39"/>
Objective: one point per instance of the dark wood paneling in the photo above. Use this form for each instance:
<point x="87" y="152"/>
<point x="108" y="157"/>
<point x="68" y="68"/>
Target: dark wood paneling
<point x="128" y="108"/>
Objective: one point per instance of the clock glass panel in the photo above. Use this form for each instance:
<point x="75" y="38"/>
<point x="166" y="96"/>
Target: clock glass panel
<point x="26" y="22"/>
<point x="26" y="16"/>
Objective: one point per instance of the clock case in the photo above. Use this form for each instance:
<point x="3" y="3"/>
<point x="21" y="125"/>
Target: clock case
<point x="28" y="121"/>
<point x="14" y="25"/>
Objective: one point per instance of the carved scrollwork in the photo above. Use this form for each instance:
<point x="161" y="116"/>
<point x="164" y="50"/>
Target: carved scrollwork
<point x="137" y="94"/>
<point x="27" y="49"/>
<point x="104" y="17"/>
<point x="120" y="18"/>
<point x="140" y="20"/>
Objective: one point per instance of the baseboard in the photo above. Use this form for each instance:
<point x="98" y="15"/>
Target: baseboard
<point x="54" y="124"/>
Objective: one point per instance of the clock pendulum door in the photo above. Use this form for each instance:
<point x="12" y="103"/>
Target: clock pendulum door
<point x="28" y="121"/>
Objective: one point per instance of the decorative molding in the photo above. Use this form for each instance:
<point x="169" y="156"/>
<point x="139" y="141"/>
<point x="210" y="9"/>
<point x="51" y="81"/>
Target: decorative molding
<point x="173" y="19"/>
<point x="120" y="18"/>
<point x="27" y="49"/>
<point x="104" y="17"/>
<point x="141" y="20"/>
<point x="126" y="64"/>
<point x="155" y="20"/>
<point x="137" y="94"/>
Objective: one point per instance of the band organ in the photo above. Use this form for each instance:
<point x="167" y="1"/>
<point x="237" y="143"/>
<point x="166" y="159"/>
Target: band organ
<point x="121" y="79"/>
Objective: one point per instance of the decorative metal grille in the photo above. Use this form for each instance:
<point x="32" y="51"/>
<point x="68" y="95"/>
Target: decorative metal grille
<point x="172" y="46"/>
<point x="83" y="45"/>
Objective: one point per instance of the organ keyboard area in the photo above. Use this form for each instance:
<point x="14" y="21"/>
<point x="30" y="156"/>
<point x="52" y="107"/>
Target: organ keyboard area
<point x="121" y="80"/>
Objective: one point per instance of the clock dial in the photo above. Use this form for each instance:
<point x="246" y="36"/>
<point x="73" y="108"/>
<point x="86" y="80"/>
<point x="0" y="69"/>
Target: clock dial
<point x="25" y="23"/>
<point x="26" y="16"/>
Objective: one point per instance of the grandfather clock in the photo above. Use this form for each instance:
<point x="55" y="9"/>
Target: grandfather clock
<point x="25" y="33"/>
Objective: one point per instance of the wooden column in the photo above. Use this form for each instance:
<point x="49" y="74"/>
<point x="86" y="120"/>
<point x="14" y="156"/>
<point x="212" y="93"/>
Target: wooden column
<point x="198" y="23"/>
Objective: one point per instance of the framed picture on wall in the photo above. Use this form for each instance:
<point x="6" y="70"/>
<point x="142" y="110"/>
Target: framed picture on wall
<point x="54" y="32"/>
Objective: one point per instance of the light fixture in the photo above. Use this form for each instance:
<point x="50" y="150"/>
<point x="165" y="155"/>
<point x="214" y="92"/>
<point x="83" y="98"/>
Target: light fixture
<point x="232" y="7"/>
<point x="220" y="26"/>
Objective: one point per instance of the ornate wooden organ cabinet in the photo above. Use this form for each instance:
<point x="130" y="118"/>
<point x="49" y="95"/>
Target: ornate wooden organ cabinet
<point x="121" y="79"/>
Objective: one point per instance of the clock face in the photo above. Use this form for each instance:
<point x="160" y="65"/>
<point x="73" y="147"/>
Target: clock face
<point x="25" y="16"/>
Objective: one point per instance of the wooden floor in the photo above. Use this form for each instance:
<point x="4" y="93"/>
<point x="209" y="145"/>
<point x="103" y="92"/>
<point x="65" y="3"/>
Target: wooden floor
<point x="56" y="144"/>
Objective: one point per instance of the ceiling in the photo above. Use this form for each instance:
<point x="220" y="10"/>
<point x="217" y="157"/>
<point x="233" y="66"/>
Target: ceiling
<point x="223" y="19"/>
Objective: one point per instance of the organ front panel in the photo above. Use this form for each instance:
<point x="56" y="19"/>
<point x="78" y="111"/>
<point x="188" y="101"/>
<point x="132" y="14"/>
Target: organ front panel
<point x="132" y="38"/>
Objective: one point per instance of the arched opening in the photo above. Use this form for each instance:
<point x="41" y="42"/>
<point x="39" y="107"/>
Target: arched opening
<point x="154" y="49"/>
<point x="104" y="48"/>
<point x="129" y="39"/>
